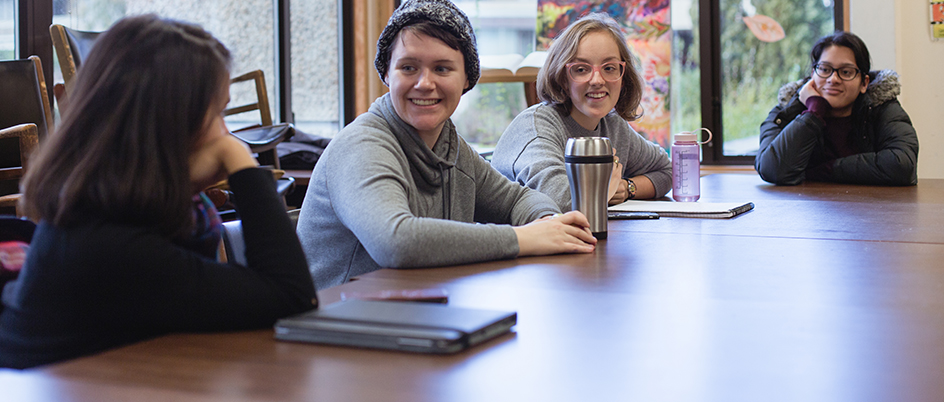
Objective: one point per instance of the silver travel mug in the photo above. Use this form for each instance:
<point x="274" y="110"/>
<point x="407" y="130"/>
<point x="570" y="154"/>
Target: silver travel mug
<point x="589" y="164"/>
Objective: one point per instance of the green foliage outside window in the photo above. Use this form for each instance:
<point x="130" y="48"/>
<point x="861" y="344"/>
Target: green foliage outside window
<point x="493" y="107"/>
<point x="753" y="71"/>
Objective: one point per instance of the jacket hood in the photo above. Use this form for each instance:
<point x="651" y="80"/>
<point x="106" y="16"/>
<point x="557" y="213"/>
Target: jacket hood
<point x="429" y="163"/>
<point x="883" y="88"/>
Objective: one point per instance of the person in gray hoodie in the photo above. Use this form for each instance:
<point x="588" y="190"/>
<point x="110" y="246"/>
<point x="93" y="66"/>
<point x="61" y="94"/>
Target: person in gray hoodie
<point x="842" y="124"/>
<point x="399" y="188"/>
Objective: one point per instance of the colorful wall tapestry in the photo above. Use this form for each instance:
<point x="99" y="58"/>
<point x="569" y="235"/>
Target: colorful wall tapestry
<point x="649" y="36"/>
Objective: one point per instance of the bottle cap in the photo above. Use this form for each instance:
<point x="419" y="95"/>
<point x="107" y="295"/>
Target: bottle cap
<point x="692" y="136"/>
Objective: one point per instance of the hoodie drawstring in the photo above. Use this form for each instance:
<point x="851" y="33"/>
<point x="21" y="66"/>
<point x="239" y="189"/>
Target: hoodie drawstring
<point x="447" y="213"/>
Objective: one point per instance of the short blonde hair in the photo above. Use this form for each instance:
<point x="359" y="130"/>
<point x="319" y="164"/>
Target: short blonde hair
<point x="553" y="81"/>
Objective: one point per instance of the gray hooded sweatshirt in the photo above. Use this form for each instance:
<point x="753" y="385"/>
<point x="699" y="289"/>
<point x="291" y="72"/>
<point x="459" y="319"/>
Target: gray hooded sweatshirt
<point x="379" y="197"/>
<point x="531" y="151"/>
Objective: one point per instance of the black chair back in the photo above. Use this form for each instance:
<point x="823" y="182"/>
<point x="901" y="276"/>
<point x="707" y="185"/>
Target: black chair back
<point x="81" y="43"/>
<point x="72" y="48"/>
<point x="23" y="95"/>
<point x="22" y="100"/>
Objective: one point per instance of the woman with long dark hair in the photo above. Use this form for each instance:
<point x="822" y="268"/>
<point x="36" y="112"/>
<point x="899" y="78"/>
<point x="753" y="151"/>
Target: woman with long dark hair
<point x="842" y="124"/>
<point x="125" y="245"/>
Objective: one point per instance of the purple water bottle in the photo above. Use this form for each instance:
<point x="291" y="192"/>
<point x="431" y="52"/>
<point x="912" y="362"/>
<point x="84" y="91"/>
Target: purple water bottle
<point x="686" y="165"/>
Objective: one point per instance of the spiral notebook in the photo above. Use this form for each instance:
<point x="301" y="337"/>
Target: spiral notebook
<point x="713" y="210"/>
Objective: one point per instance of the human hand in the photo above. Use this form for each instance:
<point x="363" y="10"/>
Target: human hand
<point x="616" y="180"/>
<point x="566" y="233"/>
<point x="622" y="192"/>
<point x="217" y="155"/>
<point x="809" y="89"/>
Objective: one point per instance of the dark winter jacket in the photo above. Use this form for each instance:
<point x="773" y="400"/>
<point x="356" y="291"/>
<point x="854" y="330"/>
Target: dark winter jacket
<point x="882" y="133"/>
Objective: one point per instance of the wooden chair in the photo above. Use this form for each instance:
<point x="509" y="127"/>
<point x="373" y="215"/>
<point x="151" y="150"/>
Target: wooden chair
<point x="72" y="47"/>
<point x="25" y="118"/>
<point x="264" y="136"/>
<point x="23" y="95"/>
<point x="27" y="135"/>
<point x="234" y="245"/>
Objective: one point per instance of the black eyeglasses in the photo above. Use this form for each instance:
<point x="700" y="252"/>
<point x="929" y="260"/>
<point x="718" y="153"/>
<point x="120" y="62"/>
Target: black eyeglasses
<point x="845" y="73"/>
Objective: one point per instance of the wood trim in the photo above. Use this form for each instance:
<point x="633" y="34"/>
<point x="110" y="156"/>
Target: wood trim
<point x="60" y="42"/>
<point x="713" y="169"/>
<point x="34" y="18"/>
<point x="370" y="17"/>
<point x="846" y="25"/>
<point x="44" y="92"/>
<point x="302" y="177"/>
<point x="360" y="55"/>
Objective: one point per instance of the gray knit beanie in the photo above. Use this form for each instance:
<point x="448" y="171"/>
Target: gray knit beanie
<point x="441" y="13"/>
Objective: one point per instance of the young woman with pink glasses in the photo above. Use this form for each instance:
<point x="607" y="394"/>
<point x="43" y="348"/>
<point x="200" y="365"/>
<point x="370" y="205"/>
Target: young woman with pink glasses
<point x="589" y="87"/>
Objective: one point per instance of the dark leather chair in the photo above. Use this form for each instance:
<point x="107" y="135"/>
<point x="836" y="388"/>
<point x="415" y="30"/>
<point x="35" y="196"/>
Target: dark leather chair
<point x="264" y="136"/>
<point x="72" y="47"/>
<point x="233" y="242"/>
<point x="27" y="136"/>
<point x="25" y="119"/>
<point x="23" y="95"/>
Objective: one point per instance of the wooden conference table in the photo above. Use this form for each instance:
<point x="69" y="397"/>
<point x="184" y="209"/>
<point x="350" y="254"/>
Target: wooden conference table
<point x="823" y="292"/>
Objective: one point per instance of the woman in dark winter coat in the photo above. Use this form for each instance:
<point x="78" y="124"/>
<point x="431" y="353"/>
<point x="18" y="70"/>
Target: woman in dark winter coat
<point x="843" y="124"/>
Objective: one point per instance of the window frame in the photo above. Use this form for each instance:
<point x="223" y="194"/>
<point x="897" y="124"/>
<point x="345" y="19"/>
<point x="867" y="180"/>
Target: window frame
<point x="711" y="90"/>
<point x="35" y="16"/>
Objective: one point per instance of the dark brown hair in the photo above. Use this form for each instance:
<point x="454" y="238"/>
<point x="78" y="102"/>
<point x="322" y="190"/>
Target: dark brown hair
<point x="138" y="107"/>
<point x="863" y="62"/>
<point x="848" y="40"/>
<point x="552" y="80"/>
<point x="433" y="31"/>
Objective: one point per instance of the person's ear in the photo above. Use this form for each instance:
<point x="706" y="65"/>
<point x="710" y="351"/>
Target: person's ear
<point x="865" y="83"/>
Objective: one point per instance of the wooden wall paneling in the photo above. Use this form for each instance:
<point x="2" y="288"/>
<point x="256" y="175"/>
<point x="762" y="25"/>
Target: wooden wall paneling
<point x="370" y="17"/>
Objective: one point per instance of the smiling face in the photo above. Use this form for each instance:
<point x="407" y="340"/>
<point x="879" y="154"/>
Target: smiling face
<point x="840" y="94"/>
<point x="426" y="80"/>
<point x="594" y="99"/>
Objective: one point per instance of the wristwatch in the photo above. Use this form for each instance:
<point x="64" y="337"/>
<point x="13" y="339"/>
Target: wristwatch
<point x="631" y="187"/>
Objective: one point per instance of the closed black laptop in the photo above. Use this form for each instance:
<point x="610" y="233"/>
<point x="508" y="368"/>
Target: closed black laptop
<point x="405" y="326"/>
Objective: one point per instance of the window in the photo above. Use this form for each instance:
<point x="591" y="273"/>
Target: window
<point x="685" y="88"/>
<point x="501" y="27"/>
<point x="746" y="72"/>
<point x="7" y="29"/>
<point x="246" y="27"/>
<point x="749" y="71"/>
<point x="315" y="77"/>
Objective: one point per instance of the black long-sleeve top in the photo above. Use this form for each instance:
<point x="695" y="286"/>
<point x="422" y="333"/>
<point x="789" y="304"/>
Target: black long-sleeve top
<point x="97" y="285"/>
